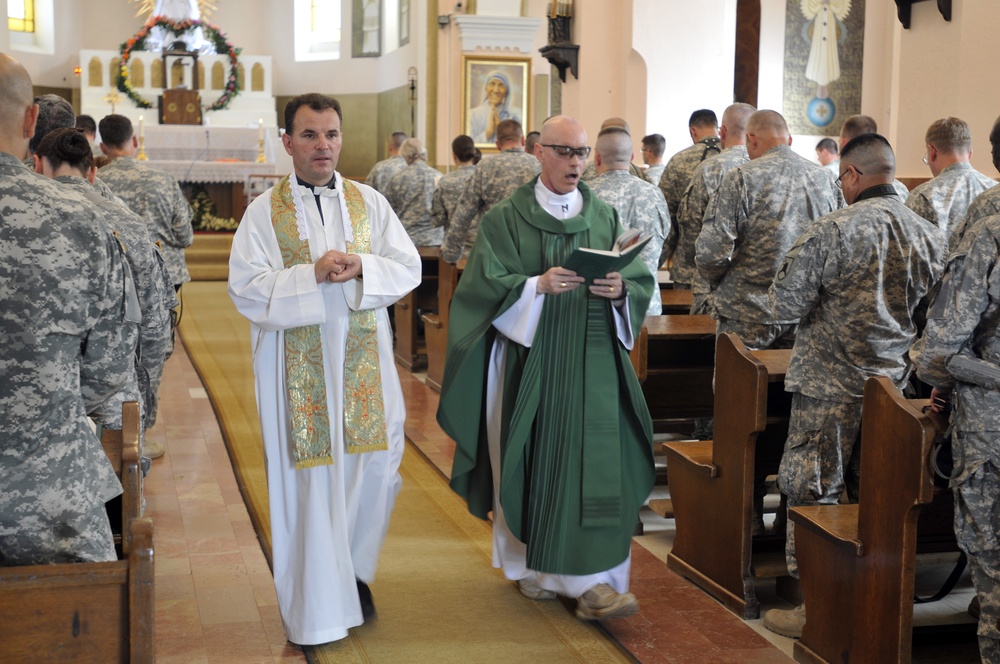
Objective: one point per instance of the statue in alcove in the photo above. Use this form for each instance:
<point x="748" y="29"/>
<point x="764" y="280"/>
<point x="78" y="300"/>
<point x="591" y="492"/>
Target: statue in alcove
<point x="560" y="15"/>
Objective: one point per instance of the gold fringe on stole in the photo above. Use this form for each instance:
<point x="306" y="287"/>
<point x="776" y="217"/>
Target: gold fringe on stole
<point x="305" y="373"/>
<point x="364" y="407"/>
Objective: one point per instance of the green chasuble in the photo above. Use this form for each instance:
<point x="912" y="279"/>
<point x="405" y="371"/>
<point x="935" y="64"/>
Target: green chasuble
<point x="576" y="444"/>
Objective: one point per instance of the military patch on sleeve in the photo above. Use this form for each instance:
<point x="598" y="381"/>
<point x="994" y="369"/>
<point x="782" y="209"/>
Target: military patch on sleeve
<point x="788" y="263"/>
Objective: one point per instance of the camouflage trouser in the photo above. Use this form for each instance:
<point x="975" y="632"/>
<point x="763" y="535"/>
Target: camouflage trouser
<point x="35" y="540"/>
<point x="757" y="336"/>
<point x="822" y="437"/>
<point x="977" y="524"/>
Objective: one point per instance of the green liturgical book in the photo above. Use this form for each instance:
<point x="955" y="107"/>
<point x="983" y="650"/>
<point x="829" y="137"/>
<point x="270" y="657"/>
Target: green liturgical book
<point x="595" y="263"/>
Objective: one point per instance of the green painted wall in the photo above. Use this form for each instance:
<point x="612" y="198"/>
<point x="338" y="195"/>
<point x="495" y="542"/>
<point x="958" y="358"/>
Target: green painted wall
<point x="368" y="119"/>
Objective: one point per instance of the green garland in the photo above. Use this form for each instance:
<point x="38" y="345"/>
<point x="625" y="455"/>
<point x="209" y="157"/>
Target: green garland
<point x="211" y="32"/>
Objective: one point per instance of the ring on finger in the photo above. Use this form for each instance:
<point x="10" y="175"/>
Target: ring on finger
<point x="562" y="284"/>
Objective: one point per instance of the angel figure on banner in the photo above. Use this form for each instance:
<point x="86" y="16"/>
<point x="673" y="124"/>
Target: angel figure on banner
<point x="825" y="17"/>
<point x="177" y="10"/>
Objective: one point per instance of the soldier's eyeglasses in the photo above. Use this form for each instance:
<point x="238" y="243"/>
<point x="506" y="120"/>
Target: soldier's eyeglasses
<point x="839" y="183"/>
<point x="567" y="151"/>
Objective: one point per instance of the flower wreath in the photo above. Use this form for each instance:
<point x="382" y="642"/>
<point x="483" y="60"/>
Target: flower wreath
<point x="211" y="32"/>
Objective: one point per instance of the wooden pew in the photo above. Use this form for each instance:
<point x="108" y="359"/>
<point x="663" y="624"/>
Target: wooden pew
<point x="423" y="297"/>
<point x="711" y="482"/>
<point x="82" y="612"/>
<point x="676" y="301"/>
<point x="856" y="562"/>
<point x="674" y="357"/>
<point x="436" y="325"/>
<point x="122" y="448"/>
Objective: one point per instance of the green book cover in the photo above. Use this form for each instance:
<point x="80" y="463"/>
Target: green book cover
<point x="595" y="263"/>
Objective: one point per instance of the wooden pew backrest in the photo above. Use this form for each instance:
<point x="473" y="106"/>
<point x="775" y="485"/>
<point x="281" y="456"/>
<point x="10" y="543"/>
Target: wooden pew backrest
<point x="122" y="448"/>
<point x="83" y="612"/>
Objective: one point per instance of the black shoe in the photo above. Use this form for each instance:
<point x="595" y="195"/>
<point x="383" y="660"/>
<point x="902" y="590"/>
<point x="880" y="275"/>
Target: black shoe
<point x="367" y="604"/>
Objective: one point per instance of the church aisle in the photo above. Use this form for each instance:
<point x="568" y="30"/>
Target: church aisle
<point x="215" y="601"/>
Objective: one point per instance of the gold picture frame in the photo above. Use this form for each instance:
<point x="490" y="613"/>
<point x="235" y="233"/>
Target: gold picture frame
<point x="477" y="106"/>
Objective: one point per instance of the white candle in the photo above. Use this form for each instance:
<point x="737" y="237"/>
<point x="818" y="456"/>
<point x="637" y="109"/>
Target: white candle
<point x="140" y="127"/>
<point x="260" y="129"/>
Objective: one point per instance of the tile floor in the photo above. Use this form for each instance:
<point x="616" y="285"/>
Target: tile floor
<point x="215" y="599"/>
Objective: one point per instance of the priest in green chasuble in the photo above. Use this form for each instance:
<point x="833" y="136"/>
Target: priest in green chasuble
<point x="551" y="428"/>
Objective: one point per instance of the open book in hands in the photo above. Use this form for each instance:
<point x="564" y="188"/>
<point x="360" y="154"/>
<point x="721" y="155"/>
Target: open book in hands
<point x="595" y="263"/>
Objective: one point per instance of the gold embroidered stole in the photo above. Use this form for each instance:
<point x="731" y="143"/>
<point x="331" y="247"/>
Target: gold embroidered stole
<point x="305" y="376"/>
<point x="364" y="407"/>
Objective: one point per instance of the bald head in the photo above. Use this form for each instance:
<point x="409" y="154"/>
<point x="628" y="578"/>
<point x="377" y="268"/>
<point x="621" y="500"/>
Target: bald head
<point x="734" y="124"/>
<point x="614" y="150"/>
<point x="870" y="160"/>
<point x="17" y="109"/>
<point x="765" y="130"/>
<point x="561" y="173"/>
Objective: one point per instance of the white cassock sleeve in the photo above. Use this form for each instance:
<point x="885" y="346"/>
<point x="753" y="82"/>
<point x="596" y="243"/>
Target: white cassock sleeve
<point x="520" y="321"/>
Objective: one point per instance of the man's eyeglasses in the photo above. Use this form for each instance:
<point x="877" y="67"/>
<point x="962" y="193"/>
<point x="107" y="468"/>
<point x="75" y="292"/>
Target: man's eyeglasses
<point x="839" y="183"/>
<point x="567" y="151"/>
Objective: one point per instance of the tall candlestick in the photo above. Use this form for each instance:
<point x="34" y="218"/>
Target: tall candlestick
<point x="260" y="129"/>
<point x="141" y="130"/>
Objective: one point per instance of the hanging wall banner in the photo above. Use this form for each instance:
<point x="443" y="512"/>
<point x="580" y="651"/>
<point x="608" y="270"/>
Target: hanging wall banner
<point x="824" y="47"/>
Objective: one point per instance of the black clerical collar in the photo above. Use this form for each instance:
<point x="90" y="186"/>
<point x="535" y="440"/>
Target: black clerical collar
<point x="332" y="184"/>
<point x="877" y="190"/>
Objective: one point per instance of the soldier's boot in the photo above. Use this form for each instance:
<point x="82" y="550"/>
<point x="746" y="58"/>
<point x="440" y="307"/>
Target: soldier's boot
<point x="786" y="622"/>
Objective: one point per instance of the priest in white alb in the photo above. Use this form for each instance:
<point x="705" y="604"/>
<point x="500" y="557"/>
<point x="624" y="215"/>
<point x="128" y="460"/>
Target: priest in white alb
<point x="315" y="262"/>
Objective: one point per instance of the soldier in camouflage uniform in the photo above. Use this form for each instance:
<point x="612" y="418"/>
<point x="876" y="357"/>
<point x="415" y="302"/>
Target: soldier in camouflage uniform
<point x="450" y="187"/>
<point x="153" y="195"/>
<point x="988" y="202"/>
<point x="945" y="199"/>
<point x="65" y="155"/>
<point x="378" y="178"/>
<point x="68" y="343"/>
<point x="855" y="279"/>
<point x="704" y="129"/>
<point x="652" y="154"/>
<point x="856" y="125"/>
<point x="640" y="204"/>
<point x="411" y="193"/>
<point x="590" y="173"/>
<point x="496" y="178"/>
<point x="965" y="318"/>
<point x="758" y="212"/>
<point x="704" y="183"/>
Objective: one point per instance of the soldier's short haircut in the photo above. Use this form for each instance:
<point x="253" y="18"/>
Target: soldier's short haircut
<point x="397" y="138"/>
<point x="413" y="149"/>
<point x="530" y="139"/>
<point x="949" y="135"/>
<point x="509" y="130"/>
<point x="703" y="117"/>
<point x="871" y="154"/>
<point x="856" y="125"/>
<point x="116" y="130"/>
<point x="767" y="122"/>
<point x="313" y="100"/>
<point x="66" y="146"/>
<point x="736" y="116"/>
<point x="614" y="145"/>
<point x="655" y="143"/>
<point x="829" y="145"/>
<point x="54" y="112"/>
<point x="86" y="123"/>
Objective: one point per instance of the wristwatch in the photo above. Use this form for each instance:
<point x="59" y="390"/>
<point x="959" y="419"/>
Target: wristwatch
<point x="624" y="293"/>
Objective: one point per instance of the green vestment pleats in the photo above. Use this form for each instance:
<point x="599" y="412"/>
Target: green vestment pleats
<point x="576" y="444"/>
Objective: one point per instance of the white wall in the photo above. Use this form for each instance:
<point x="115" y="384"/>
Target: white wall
<point x="689" y="49"/>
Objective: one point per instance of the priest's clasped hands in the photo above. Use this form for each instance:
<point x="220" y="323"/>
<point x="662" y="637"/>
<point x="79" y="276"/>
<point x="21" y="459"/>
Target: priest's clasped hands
<point x="558" y="280"/>
<point x="337" y="267"/>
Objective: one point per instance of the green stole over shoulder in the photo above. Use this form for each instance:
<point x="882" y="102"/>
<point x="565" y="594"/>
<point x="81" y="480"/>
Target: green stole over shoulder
<point x="305" y="374"/>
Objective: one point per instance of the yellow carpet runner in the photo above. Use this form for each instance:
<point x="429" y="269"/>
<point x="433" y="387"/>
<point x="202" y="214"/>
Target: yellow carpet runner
<point x="437" y="595"/>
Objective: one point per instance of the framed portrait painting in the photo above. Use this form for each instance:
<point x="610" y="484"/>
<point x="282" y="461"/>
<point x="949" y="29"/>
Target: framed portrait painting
<point x="366" y="24"/>
<point x="493" y="90"/>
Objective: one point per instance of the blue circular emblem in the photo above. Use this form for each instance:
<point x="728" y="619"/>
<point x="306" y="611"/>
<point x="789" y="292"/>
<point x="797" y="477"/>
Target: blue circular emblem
<point x="821" y="111"/>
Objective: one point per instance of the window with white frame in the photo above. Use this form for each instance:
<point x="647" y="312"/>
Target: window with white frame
<point x="317" y="29"/>
<point x="21" y="15"/>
